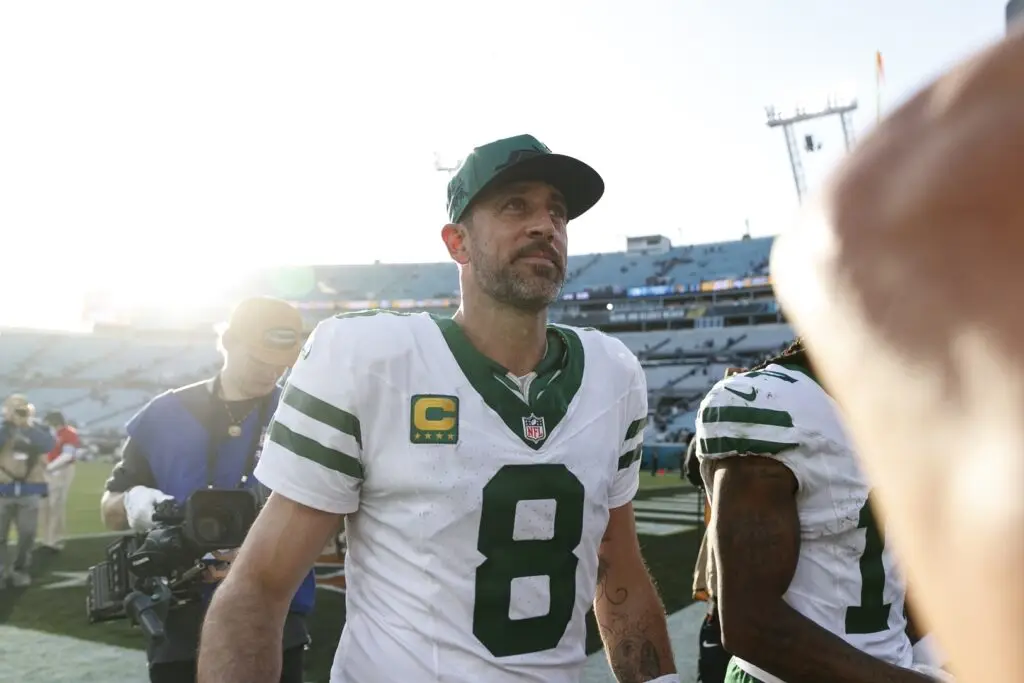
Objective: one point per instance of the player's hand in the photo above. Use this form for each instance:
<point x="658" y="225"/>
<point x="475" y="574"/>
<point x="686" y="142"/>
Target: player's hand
<point x="905" y="281"/>
<point x="218" y="570"/>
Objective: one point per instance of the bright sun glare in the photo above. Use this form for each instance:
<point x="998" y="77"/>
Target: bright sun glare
<point x="112" y="294"/>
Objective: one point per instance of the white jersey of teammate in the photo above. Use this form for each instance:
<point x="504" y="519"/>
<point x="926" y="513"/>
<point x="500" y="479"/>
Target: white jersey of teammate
<point x="475" y="500"/>
<point x="846" y="581"/>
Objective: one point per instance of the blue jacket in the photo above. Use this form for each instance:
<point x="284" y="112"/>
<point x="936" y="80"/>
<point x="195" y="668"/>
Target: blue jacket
<point x="23" y="459"/>
<point x="173" y="432"/>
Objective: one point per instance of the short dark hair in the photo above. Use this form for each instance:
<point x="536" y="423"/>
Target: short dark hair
<point x="56" y="418"/>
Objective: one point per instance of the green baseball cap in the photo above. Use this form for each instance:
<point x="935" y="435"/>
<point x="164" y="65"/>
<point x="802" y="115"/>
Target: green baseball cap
<point x="518" y="158"/>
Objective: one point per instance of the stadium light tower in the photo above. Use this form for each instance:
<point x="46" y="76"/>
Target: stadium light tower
<point x="843" y="107"/>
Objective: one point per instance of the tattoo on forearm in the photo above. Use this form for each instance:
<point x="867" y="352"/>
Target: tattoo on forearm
<point x="616" y="596"/>
<point x="635" y="659"/>
<point x="634" y="635"/>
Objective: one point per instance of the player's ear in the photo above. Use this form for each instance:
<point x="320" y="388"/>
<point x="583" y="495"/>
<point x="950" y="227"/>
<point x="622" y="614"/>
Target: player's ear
<point x="229" y="340"/>
<point x="455" y="236"/>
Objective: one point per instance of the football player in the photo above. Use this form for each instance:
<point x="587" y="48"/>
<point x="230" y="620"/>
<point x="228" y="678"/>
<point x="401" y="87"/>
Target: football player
<point x="905" y="277"/>
<point x="484" y="463"/>
<point x="807" y="590"/>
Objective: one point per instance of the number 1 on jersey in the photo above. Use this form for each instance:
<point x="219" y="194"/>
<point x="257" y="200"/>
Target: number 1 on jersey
<point x="509" y="558"/>
<point x="872" y="614"/>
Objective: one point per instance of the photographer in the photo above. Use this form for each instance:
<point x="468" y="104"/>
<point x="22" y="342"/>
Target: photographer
<point x="23" y="447"/>
<point x="208" y="435"/>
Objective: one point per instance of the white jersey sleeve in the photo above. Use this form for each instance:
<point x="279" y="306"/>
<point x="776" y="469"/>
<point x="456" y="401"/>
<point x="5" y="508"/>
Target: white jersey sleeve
<point x="744" y="415"/>
<point x="627" y="479"/>
<point x="313" y="452"/>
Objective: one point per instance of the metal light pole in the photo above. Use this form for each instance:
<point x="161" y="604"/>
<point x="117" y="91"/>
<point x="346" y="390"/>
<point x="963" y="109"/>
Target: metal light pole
<point x="843" y="108"/>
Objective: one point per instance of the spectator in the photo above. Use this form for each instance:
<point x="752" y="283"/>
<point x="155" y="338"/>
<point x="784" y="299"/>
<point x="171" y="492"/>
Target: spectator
<point x="23" y="445"/>
<point x="60" y="472"/>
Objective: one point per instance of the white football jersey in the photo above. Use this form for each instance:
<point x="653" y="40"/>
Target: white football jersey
<point x="846" y="580"/>
<point x="475" y="500"/>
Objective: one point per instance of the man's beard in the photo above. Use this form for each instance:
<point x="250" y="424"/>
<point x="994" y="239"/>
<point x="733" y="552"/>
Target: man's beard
<point x="508" y="285"/>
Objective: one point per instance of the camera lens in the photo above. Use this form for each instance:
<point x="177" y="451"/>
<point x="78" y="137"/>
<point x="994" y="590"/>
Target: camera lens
<point x="210" y="528"/>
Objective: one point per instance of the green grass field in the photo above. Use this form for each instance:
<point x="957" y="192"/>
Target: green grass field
<point x="56" y="602"/>
<point x="84" y="499"/>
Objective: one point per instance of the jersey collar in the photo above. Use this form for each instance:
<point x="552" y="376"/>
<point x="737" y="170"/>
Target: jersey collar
<point x="558" y="377"/>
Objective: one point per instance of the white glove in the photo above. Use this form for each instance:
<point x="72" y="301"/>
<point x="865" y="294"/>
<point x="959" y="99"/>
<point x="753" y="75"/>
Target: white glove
<point x="667" y="678"/>
<point x="934" y="672"/>
<point x="139" y="502"/>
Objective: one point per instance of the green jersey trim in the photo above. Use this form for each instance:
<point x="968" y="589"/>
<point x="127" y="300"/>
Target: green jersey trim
<point x="559" y="375"/>
<point x="635" y="427"/>
<point x="722" y="445"/>
<point x="745" y="415"/>
<point x="313" y="450"/>
<point x="321" y="411"/>
<point x="630" y="457"/>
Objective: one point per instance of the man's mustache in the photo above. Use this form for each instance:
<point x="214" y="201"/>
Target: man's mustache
<point x="540" y="249"/>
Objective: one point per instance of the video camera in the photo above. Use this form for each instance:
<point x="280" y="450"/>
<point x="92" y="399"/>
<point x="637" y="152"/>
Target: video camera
<point x="146" y="575"/>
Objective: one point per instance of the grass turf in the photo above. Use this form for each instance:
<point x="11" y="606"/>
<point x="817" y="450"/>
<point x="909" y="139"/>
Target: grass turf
<point x="56" y="602"/>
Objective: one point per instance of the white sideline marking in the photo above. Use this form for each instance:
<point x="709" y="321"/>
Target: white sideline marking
<point x="48" y="658"/>
<point x="653" y="514"/>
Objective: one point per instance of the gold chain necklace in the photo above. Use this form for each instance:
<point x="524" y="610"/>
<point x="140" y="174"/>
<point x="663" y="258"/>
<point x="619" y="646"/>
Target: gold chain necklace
<point x="235" y="429"/>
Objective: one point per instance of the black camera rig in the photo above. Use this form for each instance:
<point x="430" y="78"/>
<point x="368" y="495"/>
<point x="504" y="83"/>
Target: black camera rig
<point x="146" y="575"/>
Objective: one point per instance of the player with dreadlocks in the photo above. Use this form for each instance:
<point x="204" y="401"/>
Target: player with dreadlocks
<point x="793" y="354"/>
<point x="806" y="589"/>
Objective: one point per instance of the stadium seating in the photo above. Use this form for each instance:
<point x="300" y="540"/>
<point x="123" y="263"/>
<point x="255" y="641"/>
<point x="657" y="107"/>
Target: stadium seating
<point x="100" y="380"/>
<point x="758" y="338"/>
<point x="680" y="265"/>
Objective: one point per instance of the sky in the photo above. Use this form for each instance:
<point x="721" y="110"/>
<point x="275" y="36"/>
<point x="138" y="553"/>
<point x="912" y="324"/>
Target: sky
<point x="156" y="147"/>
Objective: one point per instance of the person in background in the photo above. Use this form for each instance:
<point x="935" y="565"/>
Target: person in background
<point x="23" y="447"/>
<point x="210" y="434"/>
<point x="60" y="472"/>
<point x="712" y="657"/>
<point x="904" y="275"/>
<point x="806" y="590"/>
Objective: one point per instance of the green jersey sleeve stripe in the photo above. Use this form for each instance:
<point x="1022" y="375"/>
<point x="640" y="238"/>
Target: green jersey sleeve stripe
<point x="757" y="416"/>
<point x="322" y="411"/>
<point x="727" y="444"/>
<point x="315" y="451"/>
<point x="635" y="427"/>
<point x="630" y="457"/>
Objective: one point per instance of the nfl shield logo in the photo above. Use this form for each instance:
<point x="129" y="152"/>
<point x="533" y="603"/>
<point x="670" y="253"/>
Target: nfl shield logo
<point x="533" y="428"/>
